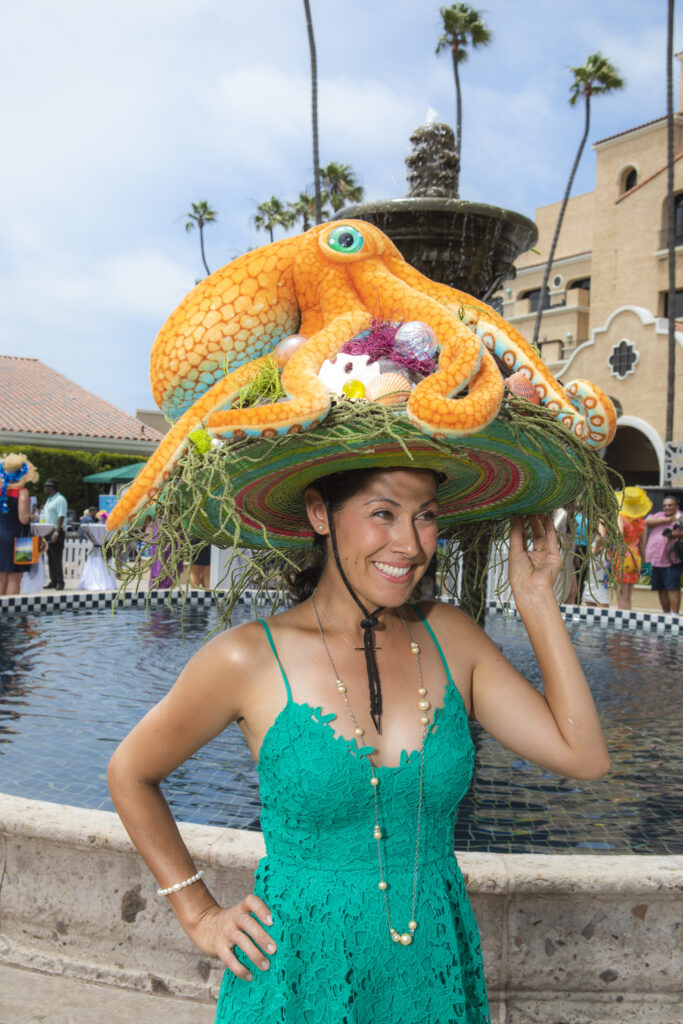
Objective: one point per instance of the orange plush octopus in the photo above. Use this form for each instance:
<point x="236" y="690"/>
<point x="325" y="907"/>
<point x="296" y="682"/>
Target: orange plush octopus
<point x="328" y="286"/>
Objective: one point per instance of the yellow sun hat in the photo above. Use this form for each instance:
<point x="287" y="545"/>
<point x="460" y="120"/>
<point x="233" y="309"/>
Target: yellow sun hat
<point x="633" y="502"/>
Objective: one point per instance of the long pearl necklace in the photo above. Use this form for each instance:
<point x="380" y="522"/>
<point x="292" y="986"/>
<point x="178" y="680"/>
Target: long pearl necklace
<point x="405" y="938"/>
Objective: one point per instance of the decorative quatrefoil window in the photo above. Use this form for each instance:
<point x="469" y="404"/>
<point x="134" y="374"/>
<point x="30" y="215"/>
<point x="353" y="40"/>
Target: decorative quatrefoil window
<point x="623" y="359"/>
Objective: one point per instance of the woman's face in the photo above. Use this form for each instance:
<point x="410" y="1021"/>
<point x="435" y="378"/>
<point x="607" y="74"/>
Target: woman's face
<point x="386" y="534"/>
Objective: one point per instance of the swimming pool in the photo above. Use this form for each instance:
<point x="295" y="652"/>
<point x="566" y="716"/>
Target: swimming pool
<point x="74" y="680"/>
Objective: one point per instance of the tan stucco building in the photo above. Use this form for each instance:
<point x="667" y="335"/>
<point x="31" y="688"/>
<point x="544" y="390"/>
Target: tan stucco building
<point x="608" y="291"/>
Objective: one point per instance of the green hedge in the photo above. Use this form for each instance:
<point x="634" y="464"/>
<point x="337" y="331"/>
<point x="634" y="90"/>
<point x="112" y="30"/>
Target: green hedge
<point x="69" y="467"/>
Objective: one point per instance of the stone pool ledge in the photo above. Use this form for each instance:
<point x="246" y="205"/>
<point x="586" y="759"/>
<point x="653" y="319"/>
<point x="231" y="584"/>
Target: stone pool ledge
<point x="642" y="621"/>
<point x="567" y="939"/>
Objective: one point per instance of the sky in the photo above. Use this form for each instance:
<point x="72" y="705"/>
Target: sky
<point x="117" y="116"/>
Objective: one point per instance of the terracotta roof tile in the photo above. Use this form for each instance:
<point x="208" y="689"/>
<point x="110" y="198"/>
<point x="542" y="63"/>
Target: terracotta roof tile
<point x="37" y="399"/>
<point x="627" y="131"/>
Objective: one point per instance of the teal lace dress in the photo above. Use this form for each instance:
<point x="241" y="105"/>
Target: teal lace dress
<point x="335" y="960"/>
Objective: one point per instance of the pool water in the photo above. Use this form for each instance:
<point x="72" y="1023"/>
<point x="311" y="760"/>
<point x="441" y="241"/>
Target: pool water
<point x="74" y="681"/>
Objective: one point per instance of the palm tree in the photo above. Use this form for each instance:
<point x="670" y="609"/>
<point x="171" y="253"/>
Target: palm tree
<point x="340" y="185"/>
<point x="462" y="24"/>
<point x="314" y="115"/>
<point x="305" y="209"/>
<point x="273" y="213"/>
<point x="671" y="224"/>
<point x="598" y="75"/>
<point x="201" y="214"/>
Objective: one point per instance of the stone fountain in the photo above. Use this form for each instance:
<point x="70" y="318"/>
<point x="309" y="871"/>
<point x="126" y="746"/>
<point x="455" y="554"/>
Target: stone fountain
<point x="469" y="246"/>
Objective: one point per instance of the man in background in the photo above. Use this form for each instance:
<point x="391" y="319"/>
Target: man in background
<point x="664" y="529"/>
<point x="55" y="512"/>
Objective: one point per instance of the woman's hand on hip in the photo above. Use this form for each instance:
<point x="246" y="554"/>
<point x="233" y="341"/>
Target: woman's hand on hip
<point x="532" y="570"/>
<point x="220" y="930"/>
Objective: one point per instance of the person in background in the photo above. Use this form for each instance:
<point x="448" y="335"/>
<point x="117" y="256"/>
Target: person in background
<point x="597" y="589"/>
<point x="55" y="512"/>
<point x="634" y="506"/>
<point x="564" y="586"/>
<point x="664" y="529"/>
<point x="15" y="472"/>
<point x="89" y="516"/>
<point x="200" y="569"/>
<point x="581" y="550"/>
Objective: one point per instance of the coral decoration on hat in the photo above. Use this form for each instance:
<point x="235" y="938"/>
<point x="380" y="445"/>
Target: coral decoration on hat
<point x="634" y="502"/>
<point x="341" y="292"/>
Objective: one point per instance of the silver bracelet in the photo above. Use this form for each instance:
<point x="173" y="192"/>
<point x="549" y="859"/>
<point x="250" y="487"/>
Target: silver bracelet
<point x="180" y="885"/>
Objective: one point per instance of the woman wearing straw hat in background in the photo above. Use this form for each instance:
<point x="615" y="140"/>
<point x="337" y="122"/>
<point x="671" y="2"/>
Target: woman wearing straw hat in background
<point x="15" y="472"/>
<point x="634" y="506"/>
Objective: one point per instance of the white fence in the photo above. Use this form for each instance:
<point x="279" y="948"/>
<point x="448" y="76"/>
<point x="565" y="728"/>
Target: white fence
<point x="75" y="554"/>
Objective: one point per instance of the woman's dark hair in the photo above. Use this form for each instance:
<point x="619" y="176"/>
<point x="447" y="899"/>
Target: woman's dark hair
<point x="337" y="489"/>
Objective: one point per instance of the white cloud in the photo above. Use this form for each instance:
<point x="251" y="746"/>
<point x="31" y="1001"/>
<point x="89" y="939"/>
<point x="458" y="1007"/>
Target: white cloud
<point x="116" y="117"/>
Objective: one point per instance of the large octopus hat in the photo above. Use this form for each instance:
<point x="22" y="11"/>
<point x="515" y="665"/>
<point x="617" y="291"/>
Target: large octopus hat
<point x="328" y="352"/>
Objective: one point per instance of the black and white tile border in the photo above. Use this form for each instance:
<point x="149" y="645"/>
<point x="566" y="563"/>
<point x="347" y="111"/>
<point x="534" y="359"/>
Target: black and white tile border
<point x="649" y="622"/>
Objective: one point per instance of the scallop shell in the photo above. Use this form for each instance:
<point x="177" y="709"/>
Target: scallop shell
<point x="388" y="388"/>
<point x="520" y="385"/>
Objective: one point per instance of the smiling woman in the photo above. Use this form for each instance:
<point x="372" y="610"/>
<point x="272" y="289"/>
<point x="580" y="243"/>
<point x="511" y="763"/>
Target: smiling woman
<point x="296" y="684"/>
<point x="354" y="701"/>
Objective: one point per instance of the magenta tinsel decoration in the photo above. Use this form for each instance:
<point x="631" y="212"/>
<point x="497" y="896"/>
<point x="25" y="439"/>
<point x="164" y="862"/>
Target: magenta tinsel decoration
<point x="378" y="343"/>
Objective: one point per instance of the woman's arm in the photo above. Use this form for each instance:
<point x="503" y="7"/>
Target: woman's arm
<point x="642" y="544"/>
<point x="558" y="729"/>
<point x="23" y="507"/>
<point x="204" y="700"/>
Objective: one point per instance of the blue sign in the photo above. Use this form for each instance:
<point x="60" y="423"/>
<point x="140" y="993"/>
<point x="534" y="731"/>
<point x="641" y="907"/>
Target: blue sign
<point x="107" y="502"/>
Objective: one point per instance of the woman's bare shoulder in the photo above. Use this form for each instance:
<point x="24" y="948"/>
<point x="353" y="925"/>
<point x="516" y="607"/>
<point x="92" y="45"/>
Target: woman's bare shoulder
<point x="237" y="647"/>
<point x="441" y="613"/>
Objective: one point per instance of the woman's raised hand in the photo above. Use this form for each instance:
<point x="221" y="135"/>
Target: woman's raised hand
<point x="220" y="930"/>
<point x="533" y="570"/>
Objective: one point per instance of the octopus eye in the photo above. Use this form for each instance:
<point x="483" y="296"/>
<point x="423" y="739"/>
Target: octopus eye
<point x="345" y="239"/>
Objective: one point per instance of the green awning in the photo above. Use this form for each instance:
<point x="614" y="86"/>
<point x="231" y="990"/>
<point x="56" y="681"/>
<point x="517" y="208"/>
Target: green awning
<point x="113" y="476"/>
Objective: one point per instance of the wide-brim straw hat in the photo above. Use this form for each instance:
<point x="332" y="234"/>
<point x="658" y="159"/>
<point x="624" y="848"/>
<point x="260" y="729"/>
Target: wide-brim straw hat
<point x="14" y="461"/>
<point x="634" y="502"/>
<point x="252" y="493"/>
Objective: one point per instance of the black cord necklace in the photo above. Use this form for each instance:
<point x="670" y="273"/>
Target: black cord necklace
<point x="368" y="623"/>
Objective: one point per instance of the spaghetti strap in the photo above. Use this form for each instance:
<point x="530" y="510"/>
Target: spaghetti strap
<point x="272" y="647"/>
<point x="436" y="642"/>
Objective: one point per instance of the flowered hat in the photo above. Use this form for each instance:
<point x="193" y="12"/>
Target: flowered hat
<point x="633" y="502"/>
<point x="328" y="352"/>
<point x="15" y="471"/>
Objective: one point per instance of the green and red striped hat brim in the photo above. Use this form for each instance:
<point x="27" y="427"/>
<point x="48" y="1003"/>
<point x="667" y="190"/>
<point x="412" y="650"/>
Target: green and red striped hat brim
<point x="506" y="469"/>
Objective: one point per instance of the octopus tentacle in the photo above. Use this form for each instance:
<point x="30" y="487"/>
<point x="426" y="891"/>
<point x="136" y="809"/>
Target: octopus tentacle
<point x="157" y="470"/>
<point x="597" y="409"/>
<point x="309" y="399"/>
<point x="237" y="314"/>
<point x="430" y="408"/>
<point x="581" y="406"/>
<point x="570" y="409"/>
<point x="460" y="348"/>
<point x="437" y="404"/>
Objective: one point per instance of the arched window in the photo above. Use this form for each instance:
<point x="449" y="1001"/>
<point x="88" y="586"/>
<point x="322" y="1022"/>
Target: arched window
<point x="630" y="179"/>
<point x="581" y="282"/>
<point x="534" y="296"/>
<point x="678" y="214"/>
